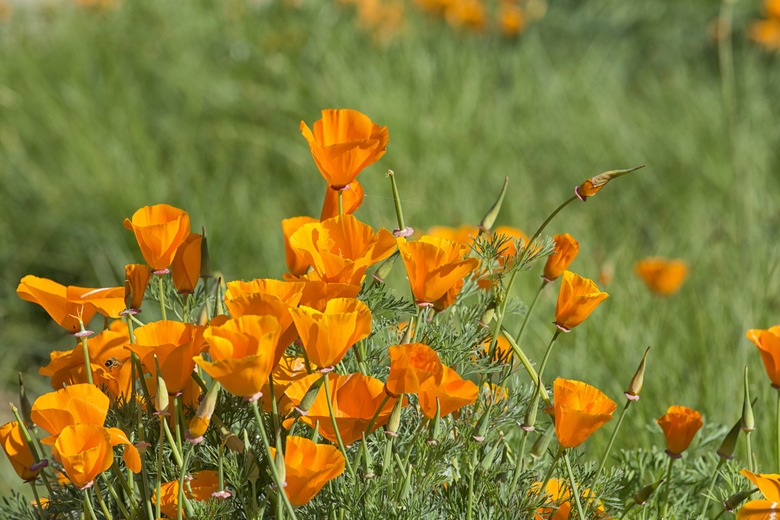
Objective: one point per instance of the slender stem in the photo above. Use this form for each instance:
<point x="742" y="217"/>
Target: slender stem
<point x="500" y="316"/>
<point x="709" y="488"/>
<point x="101" y="502"/>
<point x="270" y="459"/>
<point x="549" y="219"/>
<point x="171" y="441"/>
<point x="547" y="356"/>
<point x="341" y="202"/>
<point x="625" y="512"/>
<point x="38" y="505"/>
<point x="668" y="482"/>
<point x="87" y="364"/>
<point x="519" y="463"/>
<point x="126" y="486"/>
<point x="470" y="505"/>
<point x="552" y="467"/>
<point x="162" y="295"/>
<point x="526" y="363"/>
<point x="336" y="427"/>
<point x="749" y="451"/>
<point x="573" y="484"/>
<point x="397" y="201"/>
<point x="376" y="414"/>
<point x="519" y="336"/>
<point x="158" y="481"/>
<point x="88" y="511"/>
<point x="359" y="358"/>
<point x="181" y="499"/>
<point x="605" y="456"/>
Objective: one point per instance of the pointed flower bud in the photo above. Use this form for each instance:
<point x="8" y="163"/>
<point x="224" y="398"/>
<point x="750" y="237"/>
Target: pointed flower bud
<point x="729" y="444"/>
<point x="635" y="386"/>
<point x="490" y="217"/>
<point x="748" y="421"/>
<point x="542" y="442"/>
<point x="736" y="499"/>
<point x="592" y="186"/>
<point x="161" y="396"/>
<point x="434" y="432"/>
<point x="641" y="496"/>
<point x="310" y="396"/>
<point x="205" y="261"/>
<point x="395" y="419"/>
<point x="25" y="402"/>
<point x="200" y="422"/>
<point x="483" y="423"/>
<point x="279" y="460"/>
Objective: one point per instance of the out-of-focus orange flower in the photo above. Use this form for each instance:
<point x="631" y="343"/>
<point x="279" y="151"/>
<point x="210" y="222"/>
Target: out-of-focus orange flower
<point x="766" y="33"/>
<point x="74" y="404"/>
<point x="511" y="19"/>
<point x="174" y="343"/>
<point x="577" y="298"/>
<point x="410" y="366"/>
<point x="509" y="250"/>
<point x="109" y="361"/>
<point x="308" y="467"/>
<point x="317" y="294"/>
<point x="580" y="410"/>
<point x="661" y="275"/>
<point x="6" y="10"/>
<point x="768" y="343"/>
<point x="759" y="510"/>
<point x="185" y="269"/>
<point x="202" y="485"/>
<point x="466" y="13"/>
<point x="340" y="249"/>
<point x="85" y="451"/>
<point x="434" y="266"/>
<point x="289" y="370"/>
<point x="453" y="393"/>
<point x="566" y="249"/>
<point x="557" y="497"/>
<point x="242" y="352"/>
<point x="772" y="8"/>
<point x="351" y="200"/>
<point x="464" y="235"/>
<point x="344" y="142"/>
<point x="136" y="280"/>
<point x="503" y="351"/>
<point x="355" y="400"/>
<point x="679" y="424"/>
<point x="17" y="450"/>
<point x="296" y="263"/>
<point x="159" y="230"/>
<point x="327" y="335"/>
<point x="98" y="5"/>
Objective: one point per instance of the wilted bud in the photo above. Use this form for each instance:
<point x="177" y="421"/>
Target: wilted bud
<point x="748" y="421"/>
<point x="395" y="419"/>
<point x="641" y="496"/>
<point x="592" y="186"/>
<point x="635" y="385"/>
<point x="542" y="442"/>
<point x="199" y="423"/>
<point x="205" y="261"/>
<point x="735" y="500"/>
<point x="24" y="402"/>
<point x="161" y="396"/>
<point x="490" y="217"/>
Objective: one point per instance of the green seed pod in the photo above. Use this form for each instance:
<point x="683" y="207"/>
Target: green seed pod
<point x="542" y="442"/>
<point x="733" y="501"/>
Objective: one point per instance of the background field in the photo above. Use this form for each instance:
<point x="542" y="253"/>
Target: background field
<point x="197" y="104"/>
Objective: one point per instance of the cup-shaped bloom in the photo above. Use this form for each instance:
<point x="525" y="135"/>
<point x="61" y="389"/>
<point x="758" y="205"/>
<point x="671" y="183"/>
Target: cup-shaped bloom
<point x="566" y="249"/>
<point x="435" y="265"/>
<point x="200" y="488"/>
<point x="296" y="263"/>
<point x="136" y="280"/>
<point x="159" y="230"/>
<point x="174" y="343"/>
<point x="17" y="450"/>
<point x="580" y="410"/>
<point x="53" y="297"/>
<point x="85" y="451"/>
<point x="680" y="425"/>
<point x="351" y="200"/>
<point x="344" y="142"/>
<point x="341" y="248"/>
<point x="410" y="366"/>
<point x="308" y="467"/>
<point x="74" y="404"/>
<point x="452" y="391"/>
<point x="662" y="276"/>
<point x="242" y="352"/>
<point x="577" y="298"/>
<point x="768" y="343"/>
<point x="327" y="335"/>
<point x="185" y="269"/>
<point x="355" y="399"/>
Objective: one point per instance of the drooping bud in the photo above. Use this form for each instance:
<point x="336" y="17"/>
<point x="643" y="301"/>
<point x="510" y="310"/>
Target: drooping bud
<point x="592" y="186"/>
<point x="542" y="442"/>
<point x="642" y="496"/>
<point x="490" y="217"/>
<point x="205" y="261"/>
<point x="748" y="421"/>
<point x="635" y="386"/>
<point x="161" y="396"/>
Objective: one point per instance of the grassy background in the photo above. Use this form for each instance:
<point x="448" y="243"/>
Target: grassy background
<point x="197" y="104"/>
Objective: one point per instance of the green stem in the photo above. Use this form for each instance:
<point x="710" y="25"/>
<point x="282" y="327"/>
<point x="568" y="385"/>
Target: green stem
<point x="668" y="482"/>
<point x="500" y="319"/>
<point x="388" y="455"/>
<point x="625" y="512"/>
<point x="605" y="456"/>
<point x="171" y="441"/>
<point x="749" y="451"/>
<point x="335" y="426"/>
<point x="101" y="502"/>
<point x="573" y="484"/>
<point x="519" y="461"/>
<point x="88" y="511"/>
<point x="182" y="502"/>
<point x="31" y="445"/>
<point x="546" y="357"/>
<point x="518" y="352"/>
<point x="341" y="202"/>
<point x="709" y="488"/>
<point x="519" y="336"/>
<point x="549" y="219"/>
<point x="87" y="364"/>
<point x="397" y="201"/>
<point x="162" y="295"/>
<point x="470" y="505"/>
<point x="38" y="505"/>
<point x="126" y="486"/>
<point x="158" y="478"/>
<point x="376" y="414"/>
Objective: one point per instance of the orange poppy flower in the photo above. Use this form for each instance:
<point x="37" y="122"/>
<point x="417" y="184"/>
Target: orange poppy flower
<point x="159" y="230"/>
<point x="410" y="366"/>
<point x="53" y="297"/>
<point x="85" y="451"/>
<point x="768" y="343"/>
<point x="242" y="352"/>
<point x="351" y="200"/>
<point x="580" y="410"/>
<point x="136" y="280"/>
<point x="577" y="298"/>
<point x="566" y="249"/>
<point x="434" y="266"/>
<point x="662" y="276"/>
<point x="355" y="400"/>
<point x="327" y="335"/>
<point x="317" y="294"/>
<point x="308" y="467"/>
<point x="340" y="249"/>
<point x="557" y="495"/>
<point x="772" y="8"/>
<point x="511" y="19"/>
<point x="296" y="263"/>
<point x="174" y="343"/>
<point x="768" y="484"/>
<point x="289" y="370"/>
<point x="185" y="269"/>
<point x="679" y="424"/>
<point x="201" y="487"/>
<point x="453" y="393"/>
<point x="17" y="450"/>
<point x="344" y="142"/>
<point x="109" y="301"/>
<point x="759" y="510"/>
<point x="74" y="404"/>
<point x="766" y="33"/>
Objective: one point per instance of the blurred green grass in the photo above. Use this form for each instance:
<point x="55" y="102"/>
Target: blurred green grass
<point x="198" y="104"/>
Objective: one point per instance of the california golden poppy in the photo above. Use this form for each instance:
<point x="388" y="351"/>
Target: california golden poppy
<point x="769" y="485"/>
<point x="351" y="200"/>
<point x="662" y="276"/>
<point x="580" y="410"/>
<point x="328" y="335"/>
<point x="17" y="450"/>
<point x="317" y="294"/>
<point x="296" y="263"/>
<point x="557" y="495"/>
<point x="766" y="33"/>
<point x="566" y="249"/>
<point x="464" y="235"/>
<point x="53" y="297"/>
<point x="308" y="467"/>
<point x="434" y="265"/>
<point x="340" y="249"/>
<point x="201" y="487"/>
<point x="85" y="451"/>
<point x="185" y="269"/>
<point x="768" y="343"/>
<point x="344" y="142"/>
<point x="159" y="230"/>
<point x="242" y="352"/>
<point x="511" y="19"/>
<point x="74" y="404"/>
<point x="452" y="391"/>
<point x="679" y="424"/>
<point x="577" y="298"/>
<point x="410" y="366"/>
<point x="136" y="280"/>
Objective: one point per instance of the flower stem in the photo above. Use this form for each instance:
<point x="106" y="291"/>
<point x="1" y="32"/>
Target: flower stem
<point x="101" y="502"/>
<point x="33" y="450"/>
<point x="549" y="219"/>
<point x="88" y="511"/>
<point x="162" y="295"/>
<point x="611" y="441"/>
<point x="573" y="484"/>
<point x="552" y="467"/>
<point x="749" y="452"/>
<point x="38" y="505"/>
<point x="123" y="482"/>
<point x="709" y="488"/>
<point x="158" y="481"/>
<point x="527" y="364"/>
<point x="87" y="364"/>
<point x="335" y="426"/>
<point x="341" y="202"/>
<point x="519" y="336"/>
<point x="397" y="201"/>
<point x="668" y="482"/>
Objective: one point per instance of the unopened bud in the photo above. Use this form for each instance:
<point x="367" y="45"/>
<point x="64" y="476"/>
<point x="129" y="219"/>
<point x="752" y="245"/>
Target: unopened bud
<point x="200" y="422"/>
<point x="383" y="271"/>
<point x="490" y="217"/>
<point x="487" y="460"/>
<point x="731" y="503"/>
<point x="483" y="423"/>
<point x="542" y="442"/>
<point x="729" y="444"/>
<point x="24" y="403"/>
<point x="487" y="314"/>
<point x="641" y="496"/>
<point x="281" y="468"/>
<point x="635" y="386"/>
<point x="161" y="396"/>
<point x="434" y="432"/>
<point x="592" y="186"/>
<point x="395" y="419"/>
<point x="205" y="261"/>
<point x="310" y="396"/>
<point x="367" y="460"/>
<point x="748" y="421"/>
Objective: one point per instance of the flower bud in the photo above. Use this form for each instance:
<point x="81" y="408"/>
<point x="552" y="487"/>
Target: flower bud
<point x="735" y="500"/>
<point x="24" y="402"/>
<point x="542" y="442"/>
<point x="434" y="432"/>
<point x="748" y="421"/>
<point x="395" y="419"/>
<point x="310" y="396"/>
<point x="281" y="469"/>
<point x="205" y="261"/>
<point x="200" y="422"/>
<point x="592" y="186"/>
<point x="483" y="423"/>
<point x="729" y="444"/>
<point x="490" y="217"/>
<point x="635" y="385"/>
<point x="161" y="396"/>
<point x="487" y="460"/>
<point x="383" y="271"/>
<point x="641" y="496"/>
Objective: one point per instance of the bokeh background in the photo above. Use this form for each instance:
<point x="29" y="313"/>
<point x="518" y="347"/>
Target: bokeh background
<point x="111" y="106"/>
